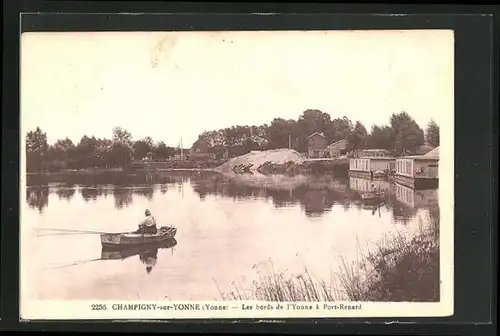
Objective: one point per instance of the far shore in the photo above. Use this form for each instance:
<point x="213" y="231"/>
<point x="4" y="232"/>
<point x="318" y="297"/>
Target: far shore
<point x="115" y="170"/>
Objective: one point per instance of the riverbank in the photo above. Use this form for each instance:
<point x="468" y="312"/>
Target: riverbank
<point x="339" y="167"/>
<point x="251" y="162"/>
<point x="402" y="268"/>
<point x="284" y="162"/>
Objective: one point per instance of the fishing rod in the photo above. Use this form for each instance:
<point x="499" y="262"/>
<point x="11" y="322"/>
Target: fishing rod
<point x="76" y="263"/>
<point x="76" y="231"/>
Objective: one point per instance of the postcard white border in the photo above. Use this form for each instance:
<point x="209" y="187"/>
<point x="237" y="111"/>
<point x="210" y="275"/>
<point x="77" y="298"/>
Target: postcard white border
<point x="79" y="310"/>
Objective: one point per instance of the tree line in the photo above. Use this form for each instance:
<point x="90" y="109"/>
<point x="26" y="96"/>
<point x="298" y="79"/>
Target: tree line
<point x="118" y="151"/>
<point x="402" y="135"/>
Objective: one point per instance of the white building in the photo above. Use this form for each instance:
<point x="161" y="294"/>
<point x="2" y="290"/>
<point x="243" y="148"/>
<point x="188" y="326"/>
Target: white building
<point x="372" y="160"/>
<point x="418" y="169"/>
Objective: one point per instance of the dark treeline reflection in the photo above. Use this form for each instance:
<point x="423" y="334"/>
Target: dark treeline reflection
<point x="38" y="197"/>
<point x="315" y="194"/>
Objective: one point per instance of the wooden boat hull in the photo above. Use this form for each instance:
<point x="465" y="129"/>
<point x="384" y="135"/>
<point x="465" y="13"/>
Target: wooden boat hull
<point x="113" y="253"/>
<point x="127" y="239"/>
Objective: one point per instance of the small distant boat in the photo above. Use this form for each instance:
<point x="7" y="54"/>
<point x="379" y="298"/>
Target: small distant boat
<point x="127" y="239"/>
<point x="373" y="195"/>
<point x="369" y="196"/>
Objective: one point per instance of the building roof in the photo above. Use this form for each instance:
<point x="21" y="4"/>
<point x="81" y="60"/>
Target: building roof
<point x="200" y="141"/>
<point x="320" y="134"/>
<point x="434" y="152"/>
<point x="420" y="157"/>
<point x="424" y="149"/>
<point x="375" y="150"/>
<point x="336" y="143"/>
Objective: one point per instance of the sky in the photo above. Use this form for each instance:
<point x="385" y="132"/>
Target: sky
<point x="175" y="85"/>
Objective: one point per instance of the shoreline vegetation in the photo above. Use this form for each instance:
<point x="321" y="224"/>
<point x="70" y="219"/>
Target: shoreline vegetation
<point x="339" y="167"/>
<point x="400" y="268"/>
<point x="402" y="135"/>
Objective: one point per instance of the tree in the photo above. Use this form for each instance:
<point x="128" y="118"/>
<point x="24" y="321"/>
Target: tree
<point x="85" y="153"/>
<point x="338" y="129"/>
<point x="358" y="137"/>
<point x="36" y="149"/>
<point x="142" y="147"/>
<point x="162" y="152"/>
<point x="312" y="121"/>
<point x="432" y="133"/>
<point x="121" y="135"/>
<point x="406" y="135"/>
<point x="281" y="131"/>
<point x="380" y="138"/>
<point x="119" y="155"/>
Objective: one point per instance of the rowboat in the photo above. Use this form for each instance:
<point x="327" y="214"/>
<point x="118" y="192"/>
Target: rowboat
<point x="127" y="239"/>
<point x="369" y="196"/>
<point x="108" y="253"/>
<point x="372" y="197"/>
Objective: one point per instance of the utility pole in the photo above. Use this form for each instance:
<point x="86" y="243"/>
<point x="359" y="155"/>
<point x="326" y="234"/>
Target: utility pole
<point x="289" y="141"/>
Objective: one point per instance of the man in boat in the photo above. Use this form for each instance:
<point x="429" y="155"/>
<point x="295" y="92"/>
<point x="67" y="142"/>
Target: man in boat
<point x="148" y="225"/>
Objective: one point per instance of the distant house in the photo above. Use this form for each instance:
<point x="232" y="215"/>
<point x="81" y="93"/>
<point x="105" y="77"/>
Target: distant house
<point x="337" y="148"/>
<point x="317" y="145"/>
<point x="418" y="170"/>
<point x="200" y="151"/>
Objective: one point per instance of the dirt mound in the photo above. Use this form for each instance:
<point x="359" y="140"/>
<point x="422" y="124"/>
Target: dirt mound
<point x="255" y="159"/>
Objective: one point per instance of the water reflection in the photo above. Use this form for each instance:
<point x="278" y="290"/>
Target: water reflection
<point x="316" y="195"/>
<point x="148" y="254"/>
<point x="38" y="197"/>
<point x="92" y="193"/>
<point x="215" y="214"/>
<point x="66" y="193"/>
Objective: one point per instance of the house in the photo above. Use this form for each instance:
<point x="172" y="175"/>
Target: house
<point x="337" y="148"/>
<point x="371" y="160"/>
<point x="419" y="171"/>
<point x="200" y="150"/>
<point x="317" y="145"/>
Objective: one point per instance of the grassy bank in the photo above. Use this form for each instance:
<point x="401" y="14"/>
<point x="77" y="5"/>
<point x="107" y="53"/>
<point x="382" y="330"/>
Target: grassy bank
<point x="401" y="268"/>
<point x="336" y="167"/>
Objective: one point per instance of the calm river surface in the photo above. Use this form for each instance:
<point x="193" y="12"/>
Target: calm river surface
<point x="227" y="227"/>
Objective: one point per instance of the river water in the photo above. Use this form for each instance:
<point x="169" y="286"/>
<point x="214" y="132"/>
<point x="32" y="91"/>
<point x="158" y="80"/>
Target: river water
<point x="228" y="229"/>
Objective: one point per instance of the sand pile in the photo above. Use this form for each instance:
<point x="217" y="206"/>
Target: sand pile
<point x="258" y="158"/>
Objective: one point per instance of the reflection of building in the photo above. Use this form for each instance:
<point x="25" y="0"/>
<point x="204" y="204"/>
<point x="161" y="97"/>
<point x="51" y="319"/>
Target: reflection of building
<point x="316" y="145"/>
<point x="365" y="185"/>
<point x="419" y="171"/>
<point x="416" y="198"/>
<point x="372" y="160"/>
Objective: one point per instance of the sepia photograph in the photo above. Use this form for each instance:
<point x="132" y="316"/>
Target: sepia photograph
<point x="236" y="174"/>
